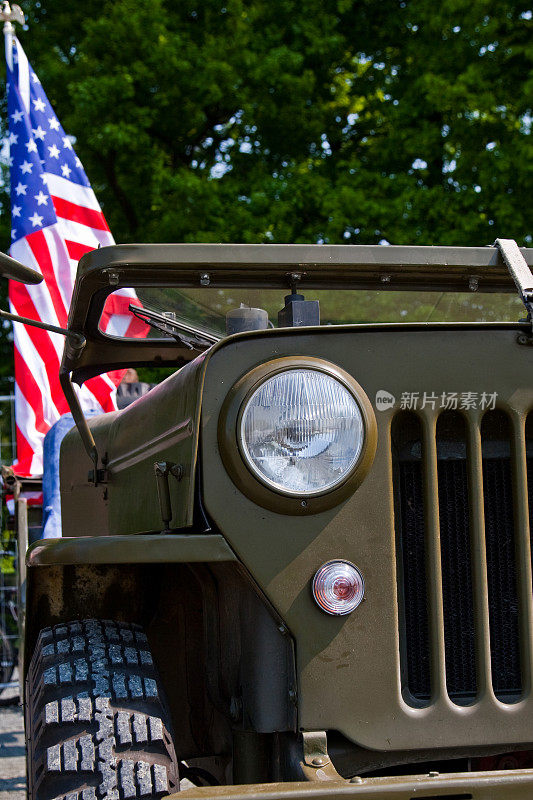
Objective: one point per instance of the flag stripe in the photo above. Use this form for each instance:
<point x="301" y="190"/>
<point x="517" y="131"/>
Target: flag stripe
<point x="76" y="232"/>
<point x="46" y="350"/>
<point x="70" y="191"/>
<point x="24" y="76"/>
<point x="35" y="366"/>
<point x="76" y="249"/>
<point x="25" y="454"/>
<point x="76" y="213"/>
<point x="31" y="393"/>
<point x="40" y="250"/>
<point x="100" y="390"/>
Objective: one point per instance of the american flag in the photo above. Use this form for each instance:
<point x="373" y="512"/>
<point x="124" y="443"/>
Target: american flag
<point x="55" y="219"/>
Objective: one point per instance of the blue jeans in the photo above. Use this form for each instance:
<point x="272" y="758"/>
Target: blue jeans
<point x="51" y="492"/>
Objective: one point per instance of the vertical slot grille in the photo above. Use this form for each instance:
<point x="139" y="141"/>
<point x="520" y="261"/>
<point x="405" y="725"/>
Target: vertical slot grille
<point x="457" y="591"/>
<point x="454" y="472"/>
<point x="501" y="555"/>
<point x="407" y="465"/>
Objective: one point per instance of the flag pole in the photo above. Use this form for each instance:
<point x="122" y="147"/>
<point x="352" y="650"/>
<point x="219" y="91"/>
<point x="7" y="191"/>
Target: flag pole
<point x="10" y="14"/>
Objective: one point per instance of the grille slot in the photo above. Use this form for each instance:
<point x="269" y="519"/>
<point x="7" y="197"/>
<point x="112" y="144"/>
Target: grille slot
<point x="466" y="473"/>
<point x="456" y="560"/>
<point x="501" y="556"/>
<point x="407" y="465"/>
<point x="529" y="463"/>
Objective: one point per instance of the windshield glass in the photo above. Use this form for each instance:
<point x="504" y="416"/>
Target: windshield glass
<point x="205" y="308"/>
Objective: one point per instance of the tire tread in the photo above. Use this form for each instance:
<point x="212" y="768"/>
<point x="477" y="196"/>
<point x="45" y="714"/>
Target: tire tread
<point x="97" y="721"/>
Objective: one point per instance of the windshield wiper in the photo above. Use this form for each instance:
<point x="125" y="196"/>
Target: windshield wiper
<point x="184" y="333"/>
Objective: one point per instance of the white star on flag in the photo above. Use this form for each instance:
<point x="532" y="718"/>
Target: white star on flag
<point x="54" y="152"/>
<point x="39" y="133"/>
<point x="36" y="220"/>
<point x="26" y="167"/>
<point x="20" y="188"/>
<point x="38" y="105"/>
<point x="42" y="199"/>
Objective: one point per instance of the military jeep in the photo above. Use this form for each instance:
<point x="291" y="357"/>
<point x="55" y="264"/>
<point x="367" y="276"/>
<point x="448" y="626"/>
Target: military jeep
<point x="300" y="566"/>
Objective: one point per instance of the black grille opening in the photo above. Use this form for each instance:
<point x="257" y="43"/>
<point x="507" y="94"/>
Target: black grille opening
<point x="529" y="462"/>
<point x="501" y="556"/>
<point x="406" y="435"/>
<point x="457" y="587"/>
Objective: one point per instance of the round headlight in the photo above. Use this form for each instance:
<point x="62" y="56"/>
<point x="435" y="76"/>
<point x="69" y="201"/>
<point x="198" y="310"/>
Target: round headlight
<point x="301" y="432"/>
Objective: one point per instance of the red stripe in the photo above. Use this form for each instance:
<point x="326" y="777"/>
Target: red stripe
<point x="117" y="304"/>
<point x="75" y="213"/>
<point x="76" y="250"/>
<point x="102" y="392"/>
<point x="36" y="500"/>
<point x="39" y="248"/>
<point x="24" y="455"/>
<point x="30" y="391"/>
<point x="21" y="299"/>
<point x="136" y="329"/>
<point x="116" y="375"/>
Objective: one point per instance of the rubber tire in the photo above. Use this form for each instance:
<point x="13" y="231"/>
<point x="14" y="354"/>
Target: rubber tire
<point x="97" y="724"/>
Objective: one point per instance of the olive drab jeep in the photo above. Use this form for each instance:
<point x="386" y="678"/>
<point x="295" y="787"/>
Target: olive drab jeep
<point x="300" y="566"/>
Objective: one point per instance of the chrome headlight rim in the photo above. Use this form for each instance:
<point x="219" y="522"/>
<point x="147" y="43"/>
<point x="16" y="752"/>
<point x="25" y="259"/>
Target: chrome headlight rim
<point x="249" y="481"/>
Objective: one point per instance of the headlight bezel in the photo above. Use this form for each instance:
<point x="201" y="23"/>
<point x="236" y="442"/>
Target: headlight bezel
<point x="249" y="481"/>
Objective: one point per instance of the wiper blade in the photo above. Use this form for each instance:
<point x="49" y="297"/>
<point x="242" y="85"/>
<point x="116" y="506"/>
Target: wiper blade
<point x="184" y="333"/>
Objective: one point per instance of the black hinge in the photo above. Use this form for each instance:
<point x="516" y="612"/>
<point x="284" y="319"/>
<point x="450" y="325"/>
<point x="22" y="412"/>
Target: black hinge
<point x="101" y="476"/>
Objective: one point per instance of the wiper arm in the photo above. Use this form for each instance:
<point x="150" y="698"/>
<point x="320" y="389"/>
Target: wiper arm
<point x="194" y="338"/>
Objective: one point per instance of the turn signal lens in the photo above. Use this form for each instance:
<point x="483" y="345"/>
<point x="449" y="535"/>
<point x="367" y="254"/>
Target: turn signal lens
<point x="338" y="587"/>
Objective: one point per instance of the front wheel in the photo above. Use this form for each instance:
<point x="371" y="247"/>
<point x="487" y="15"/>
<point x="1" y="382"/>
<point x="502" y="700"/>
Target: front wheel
<point x="97" y="723"/>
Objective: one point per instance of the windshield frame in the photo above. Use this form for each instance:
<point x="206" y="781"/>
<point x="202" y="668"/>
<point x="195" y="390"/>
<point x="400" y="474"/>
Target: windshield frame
<point x="390" y="268"/>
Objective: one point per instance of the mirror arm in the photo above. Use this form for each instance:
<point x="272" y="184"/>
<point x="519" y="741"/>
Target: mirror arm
<point x="75" y="341"/>
<point x="79" y="419"/>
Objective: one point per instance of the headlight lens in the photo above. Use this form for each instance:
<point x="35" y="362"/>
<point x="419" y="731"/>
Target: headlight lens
<point x="302" y="432"/>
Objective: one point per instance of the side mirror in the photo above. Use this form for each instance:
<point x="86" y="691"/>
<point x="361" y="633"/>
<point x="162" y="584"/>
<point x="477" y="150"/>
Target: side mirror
<point x="9" y="268"/>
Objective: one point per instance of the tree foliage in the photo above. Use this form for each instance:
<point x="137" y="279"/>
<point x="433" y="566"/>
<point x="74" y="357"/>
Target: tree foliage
<point x="283" y="121"/>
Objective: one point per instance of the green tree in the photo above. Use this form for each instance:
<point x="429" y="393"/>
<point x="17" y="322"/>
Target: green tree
<point x="318" y="120"/>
